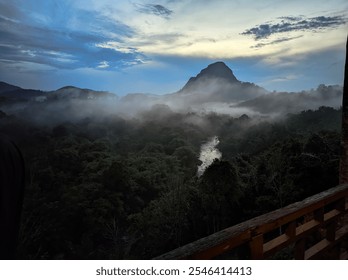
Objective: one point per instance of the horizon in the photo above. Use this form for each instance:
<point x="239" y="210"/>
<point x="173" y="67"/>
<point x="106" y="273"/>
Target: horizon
<point x="145" y="47"/>
<point x="178" y="90"/>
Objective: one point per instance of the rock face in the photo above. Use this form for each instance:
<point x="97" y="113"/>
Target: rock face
<point x="217" y="83"/>
<point x="217" y="70"/>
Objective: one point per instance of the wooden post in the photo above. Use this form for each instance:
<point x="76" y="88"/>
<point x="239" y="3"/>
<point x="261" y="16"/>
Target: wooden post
<point x="291" y="229"/>
<point x="256" y="247"/>
<point x="300" y="249"/>
<point x="319" y="215"/>
<point x="340" y="204"/>
<point x="331" y="231"/>
<point x="343" y="175"/>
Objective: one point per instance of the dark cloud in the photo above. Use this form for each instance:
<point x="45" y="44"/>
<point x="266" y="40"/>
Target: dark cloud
<point x="291" y="18"/>
<point x="154" y="9"/>
<point x="56" y="44"/>
<point x="277" y="41"/>
<point x="289" y="23"/>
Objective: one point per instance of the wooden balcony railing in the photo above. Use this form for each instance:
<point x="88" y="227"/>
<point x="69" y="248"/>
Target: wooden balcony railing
<point x="315" y="228"/>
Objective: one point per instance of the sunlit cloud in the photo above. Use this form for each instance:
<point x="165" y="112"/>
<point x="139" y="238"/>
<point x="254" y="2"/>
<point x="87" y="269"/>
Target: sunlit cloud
<point x="279" y="79"/>
<point x="116" y="46"/>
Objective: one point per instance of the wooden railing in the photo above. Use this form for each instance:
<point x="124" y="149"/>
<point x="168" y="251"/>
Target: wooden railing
<point x="314" y="228"/>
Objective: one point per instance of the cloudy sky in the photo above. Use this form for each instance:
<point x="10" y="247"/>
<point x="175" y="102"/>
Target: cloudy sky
<point x="154" y="46"/>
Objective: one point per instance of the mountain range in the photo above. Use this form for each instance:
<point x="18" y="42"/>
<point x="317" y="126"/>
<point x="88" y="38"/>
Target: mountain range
<point x="216" y="84"/>
<point x="13" y="93"/>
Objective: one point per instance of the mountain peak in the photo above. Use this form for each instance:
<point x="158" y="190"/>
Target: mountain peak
<point x="217" y="70"/>
<point x="67" y="88"/>
<point x="81" y="93"/>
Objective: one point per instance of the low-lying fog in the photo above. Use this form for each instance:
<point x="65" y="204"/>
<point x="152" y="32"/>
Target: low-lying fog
<point x="268" y="105"/>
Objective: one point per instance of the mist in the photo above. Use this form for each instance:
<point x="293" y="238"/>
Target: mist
<point x="200" y="97"/>
<point x="208" y="154"/>
<point x="281" y="103"/>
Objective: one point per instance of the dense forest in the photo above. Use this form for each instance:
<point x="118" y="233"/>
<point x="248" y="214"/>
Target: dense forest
<point x="127" y="188"/>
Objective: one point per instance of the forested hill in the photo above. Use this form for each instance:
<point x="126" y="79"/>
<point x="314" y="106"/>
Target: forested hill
<point x="108" y="187"/>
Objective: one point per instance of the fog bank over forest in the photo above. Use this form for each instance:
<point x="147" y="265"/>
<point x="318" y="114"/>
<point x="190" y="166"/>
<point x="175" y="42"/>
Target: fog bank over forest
<point x="214" y="90"/>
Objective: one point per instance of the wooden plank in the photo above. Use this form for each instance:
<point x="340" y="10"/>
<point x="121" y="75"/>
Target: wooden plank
<point x="305" y="228"/>
<point x="317" y="249"/>
<point x="342" y="233"/>
<point x="344" y="255"/>
<point x="276" y="244"/>
<point x="331" y="215"/>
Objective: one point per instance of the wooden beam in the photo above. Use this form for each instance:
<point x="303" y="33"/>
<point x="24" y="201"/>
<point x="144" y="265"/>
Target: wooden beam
<point x="344" y="255"/>
<point x="332" y="214"/>
<point x="276" y="244"/>
<point x="317" y="249"/>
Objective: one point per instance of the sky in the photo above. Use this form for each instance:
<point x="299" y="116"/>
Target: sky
<point x="155" y="46"/>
